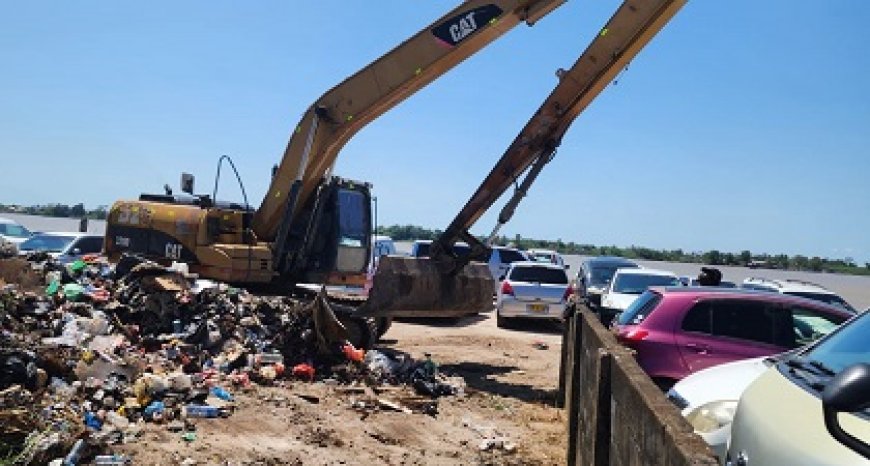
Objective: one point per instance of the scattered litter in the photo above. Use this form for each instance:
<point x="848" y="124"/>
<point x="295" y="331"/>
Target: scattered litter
<point x="91" y="353"/>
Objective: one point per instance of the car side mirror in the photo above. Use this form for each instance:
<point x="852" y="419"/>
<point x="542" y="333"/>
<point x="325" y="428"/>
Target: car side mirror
<point x="567" y="266"/>
<point x="501" y="279"/>
<point x="847" y="392"/>
<point x="76" y="251"/>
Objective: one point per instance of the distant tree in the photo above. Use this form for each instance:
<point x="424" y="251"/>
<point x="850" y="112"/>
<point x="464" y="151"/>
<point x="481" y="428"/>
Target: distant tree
<point x="745" y="257"/>
<point x="799" y="262"/>
<point x="815" y="264"/>
<point x="77" y="210"/>
<point x="712" y="257"/>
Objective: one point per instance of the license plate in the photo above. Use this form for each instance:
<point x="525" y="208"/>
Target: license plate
<point x="538" y="307"/>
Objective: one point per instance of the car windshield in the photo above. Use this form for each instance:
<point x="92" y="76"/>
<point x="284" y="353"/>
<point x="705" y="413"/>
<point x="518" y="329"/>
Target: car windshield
<point x="509" y="256"/>
<point x="639" y="309"/>
<point x="845" y="347"/>
<point x="638" y="283"/>
<point x="48" y="243"/>
<point x="600" y="275"/>
<point x="828" y="298"/>
<point x="14" y="230"/>
<point x="539" y="275"/>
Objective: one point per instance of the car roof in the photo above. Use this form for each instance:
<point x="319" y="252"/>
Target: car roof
<point x="609" y="260"/>
<point x="537" y="264"/>
<point x="505" y="248"/>
<point x="75" y="234"/>
<point x="733" y="293"/>
<point x="788" y="285"/>
<point x="639" y="271"/>
<point x="542" y="251"/>
<point x="7" y="221"/>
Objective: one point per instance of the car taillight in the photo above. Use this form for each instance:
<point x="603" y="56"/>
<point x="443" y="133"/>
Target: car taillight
<point x="635" y="334"/>
<point x="506" y="288"/>
<point x="568" y="292"/>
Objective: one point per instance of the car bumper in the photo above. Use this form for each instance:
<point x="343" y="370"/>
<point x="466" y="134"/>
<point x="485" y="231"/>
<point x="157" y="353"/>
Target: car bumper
<point x="513" y="308"/>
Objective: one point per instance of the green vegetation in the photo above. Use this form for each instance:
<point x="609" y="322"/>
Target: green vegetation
<point x="712" y="257"/>
<point x="57" y="210"/>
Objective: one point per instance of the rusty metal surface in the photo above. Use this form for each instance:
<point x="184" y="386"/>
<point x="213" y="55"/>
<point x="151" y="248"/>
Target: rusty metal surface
<point x="414" y="287"/>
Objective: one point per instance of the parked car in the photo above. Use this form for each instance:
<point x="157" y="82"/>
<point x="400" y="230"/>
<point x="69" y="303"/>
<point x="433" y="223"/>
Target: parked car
<point x="595" y="274"/>
<point x="65" y="247"/>
<point x="532" y="290"/>
<point x="708" y="398"/>
<point x="545" y="255"/>
<point x="680" y="330"/>
<point x="798" y="288"/>
<point x="13" y="231"/>
<point x="811" y="408"/>
<point x="627" y="285"/>
<point x="500" y="261"/>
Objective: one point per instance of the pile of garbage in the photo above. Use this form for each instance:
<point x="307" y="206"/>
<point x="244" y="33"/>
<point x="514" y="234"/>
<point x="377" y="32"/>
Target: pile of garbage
<point x="90" y="352"/>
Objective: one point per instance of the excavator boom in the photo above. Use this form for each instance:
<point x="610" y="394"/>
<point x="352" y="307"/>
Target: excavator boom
<point x="346" y="108"/>
<point x="633" y="25"/>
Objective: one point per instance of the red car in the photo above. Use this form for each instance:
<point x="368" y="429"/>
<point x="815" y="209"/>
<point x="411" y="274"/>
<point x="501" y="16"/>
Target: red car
<point x="681" y="330"/>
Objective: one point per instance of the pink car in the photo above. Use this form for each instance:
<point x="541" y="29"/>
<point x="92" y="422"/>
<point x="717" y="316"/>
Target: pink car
<point x="681" y="330"/>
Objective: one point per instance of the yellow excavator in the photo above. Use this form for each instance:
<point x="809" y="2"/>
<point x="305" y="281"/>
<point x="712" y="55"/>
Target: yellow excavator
<point x="315" y="227"/>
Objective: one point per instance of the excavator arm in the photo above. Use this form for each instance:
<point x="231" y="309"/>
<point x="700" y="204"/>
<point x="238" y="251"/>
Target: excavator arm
<point x="633" y="25"/>
<point x="416" y="284"/>
<point x="346" y="108"/>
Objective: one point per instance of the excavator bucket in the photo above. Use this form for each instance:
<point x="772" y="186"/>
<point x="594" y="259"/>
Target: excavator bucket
<point x="415" y="287"/>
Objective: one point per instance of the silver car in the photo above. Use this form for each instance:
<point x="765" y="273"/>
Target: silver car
<point x="532" y="290"/>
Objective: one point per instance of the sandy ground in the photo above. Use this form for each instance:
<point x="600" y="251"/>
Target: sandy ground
<point x="510" y="387"/>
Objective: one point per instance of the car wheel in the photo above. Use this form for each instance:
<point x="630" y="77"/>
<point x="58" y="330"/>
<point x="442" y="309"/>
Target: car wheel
<point x="500" y="321"/>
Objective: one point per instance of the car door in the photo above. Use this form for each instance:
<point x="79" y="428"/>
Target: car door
<point x="715" y="331"/>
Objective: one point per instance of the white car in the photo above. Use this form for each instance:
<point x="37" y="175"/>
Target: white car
<point x="708" y="398"/>
<point x="628" y="284"/>
<point x="811" y="407"/>
<point x="532" y="290"/>
<point x="500" y="261"/>
<point x="13" y="231"/>
<point x="545" y="255"/>
<point x="798" y="288"/>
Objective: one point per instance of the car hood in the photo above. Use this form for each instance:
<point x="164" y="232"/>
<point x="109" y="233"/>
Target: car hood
<point x="718" y="383"/>
<point x="618" y="300"/>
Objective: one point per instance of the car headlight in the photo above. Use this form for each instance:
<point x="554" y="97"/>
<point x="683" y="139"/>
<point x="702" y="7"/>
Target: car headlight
<point x="712" y="416"/>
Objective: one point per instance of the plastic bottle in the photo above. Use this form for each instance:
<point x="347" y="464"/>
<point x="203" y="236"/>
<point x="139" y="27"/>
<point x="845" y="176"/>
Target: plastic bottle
<point x="111" y="460"/>
<point x="221" y="393"/>
<point x="75" y="454"/>
<point x="195" y="411"/>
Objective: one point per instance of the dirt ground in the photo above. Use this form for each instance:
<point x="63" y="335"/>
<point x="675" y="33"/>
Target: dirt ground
<point x="510" y="386"/>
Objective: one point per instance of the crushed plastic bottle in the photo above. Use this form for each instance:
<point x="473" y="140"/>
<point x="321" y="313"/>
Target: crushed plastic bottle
<point x="221" y="393"/>
<point x="204" y="411"/>
<point x="111" y="460"/>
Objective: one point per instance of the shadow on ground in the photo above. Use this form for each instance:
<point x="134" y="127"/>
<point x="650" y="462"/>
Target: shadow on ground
<point x="536" y="326"/>
<point x="444" y="321"/>
<point x="479" y="377"/>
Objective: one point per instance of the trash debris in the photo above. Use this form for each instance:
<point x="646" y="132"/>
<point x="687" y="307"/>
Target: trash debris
<point x="91" y="352"/>
<point x="540" y="345"/>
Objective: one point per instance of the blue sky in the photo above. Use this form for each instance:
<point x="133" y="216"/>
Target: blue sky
<point x="743" y="125"/>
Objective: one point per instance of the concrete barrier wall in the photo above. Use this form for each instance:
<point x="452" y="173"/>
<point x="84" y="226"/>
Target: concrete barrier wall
<point x="616" y="415"/>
